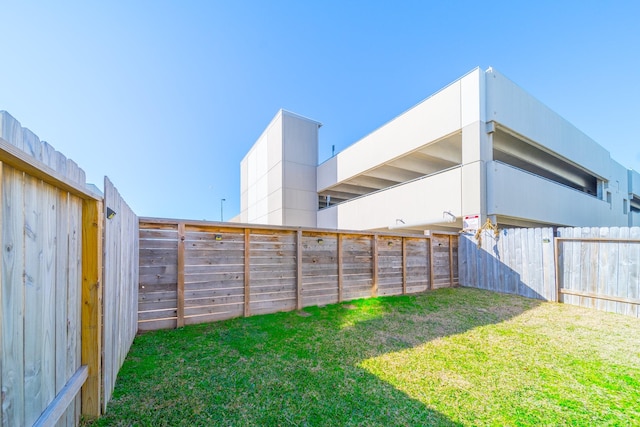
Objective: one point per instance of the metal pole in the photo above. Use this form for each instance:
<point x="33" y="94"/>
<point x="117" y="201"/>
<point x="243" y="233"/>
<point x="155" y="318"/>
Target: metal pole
<point x="221" y="211"/>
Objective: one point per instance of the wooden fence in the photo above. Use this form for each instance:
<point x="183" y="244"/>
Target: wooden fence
<point x="589" y="267"/>
<point x="120" y="285"/>
<point x="600" y="268"/>
<point x="194" y="272"/>
<point x="51" y="280"/>
<point x="519" y="261"/>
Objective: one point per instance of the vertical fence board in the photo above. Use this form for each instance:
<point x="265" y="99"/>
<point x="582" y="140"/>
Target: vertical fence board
<point x="13" y="262"/>
<point x="74" y="300"/>
<point x="34" y="300"/>
<point x="548" y="264"/>
<point x="49" y="256"/>
<point x="634" y="273"/>
<point x="602" y="261"/>
<point x="585" y="260"/>
<point x="622" y="282"/>
<point x="62" y="251"/>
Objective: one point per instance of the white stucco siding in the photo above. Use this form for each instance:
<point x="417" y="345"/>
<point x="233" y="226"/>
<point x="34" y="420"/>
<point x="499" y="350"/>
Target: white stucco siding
<point x="518" y="194"/>
<point x="511" y="106"/>
<point x="413" y="202"/>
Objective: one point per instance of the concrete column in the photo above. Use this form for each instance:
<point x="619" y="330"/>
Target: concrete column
<point x="477" y="150"/>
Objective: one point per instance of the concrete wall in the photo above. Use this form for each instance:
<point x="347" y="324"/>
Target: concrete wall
<point x="476" y="144"/>
<point x="278" y="174"/>
<point x="511" y="106"/>
<point x="300" y="160"/>
<point x="634" y="183"/>
<point x="514" y="193"/>
<point x="442" y="114"/>
<point x="261" y="177"/>
<point x="412" y="202"/>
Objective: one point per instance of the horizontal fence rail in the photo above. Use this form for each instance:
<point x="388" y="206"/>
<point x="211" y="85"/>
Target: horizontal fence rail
<point x="193" y="272"/>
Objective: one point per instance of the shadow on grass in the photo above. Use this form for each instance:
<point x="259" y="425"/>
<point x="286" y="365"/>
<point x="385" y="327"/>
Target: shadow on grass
<point x="293" y="369"/>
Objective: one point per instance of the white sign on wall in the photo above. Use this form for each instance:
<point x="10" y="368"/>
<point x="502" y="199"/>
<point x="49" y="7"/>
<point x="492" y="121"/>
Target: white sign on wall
<point x="471" y="222"/>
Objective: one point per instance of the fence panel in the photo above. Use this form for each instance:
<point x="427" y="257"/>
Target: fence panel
<point x="390" y="265"/>
<point x="121" y="252"/>
<point x="319" y="268"/>
<point x="158" y="283"/>
<point x="517" y="261"/>
<point x="42" y="194"/>
<point x="193" y="272"/>
<point x="600" y="268"/>
<point x="357" y="267"/>
<point x="272" y="271"/>
<point x="445" y="259"/>
<point x="418" y="265"/>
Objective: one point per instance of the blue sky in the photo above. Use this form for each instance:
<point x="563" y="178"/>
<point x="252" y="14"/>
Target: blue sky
<point x="167" y="97"/>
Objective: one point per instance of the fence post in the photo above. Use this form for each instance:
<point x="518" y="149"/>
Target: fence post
<point x="299" y="269"/>
<point x="404" y="266"/>
<point x="91" y="332"/>
<point x="450" y="260"/>
<point x="556" y="257"/>
<point x="180" y="296"/>
<point x="247" y="272"/>
<point x="430" y="245"/>
<point x="374" y="258"/>
<point x="340" y="268"/>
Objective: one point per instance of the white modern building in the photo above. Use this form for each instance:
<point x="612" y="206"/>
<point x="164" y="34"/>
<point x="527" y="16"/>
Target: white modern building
<point x="479" y="148"/>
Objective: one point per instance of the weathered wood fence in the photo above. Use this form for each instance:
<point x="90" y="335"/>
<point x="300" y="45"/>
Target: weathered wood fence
<point x="600" y="268"/>
<point x="519" y="261"/>
<point x="595" y="267"/>
<point x="193" y="272"/>
<point x="51" y="279"/>
<point x="120" y="301"/>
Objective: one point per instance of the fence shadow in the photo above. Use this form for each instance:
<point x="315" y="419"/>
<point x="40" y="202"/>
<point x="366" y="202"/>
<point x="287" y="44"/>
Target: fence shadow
<point x="517" y="261"/>
<point x="314" y="357"/>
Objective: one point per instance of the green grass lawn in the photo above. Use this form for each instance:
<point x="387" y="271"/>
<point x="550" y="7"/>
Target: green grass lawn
<point x="448" y="357"/>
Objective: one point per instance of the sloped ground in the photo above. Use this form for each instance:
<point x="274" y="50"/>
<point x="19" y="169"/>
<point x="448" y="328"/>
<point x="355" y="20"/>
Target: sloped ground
<point x="447" y="357"/>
